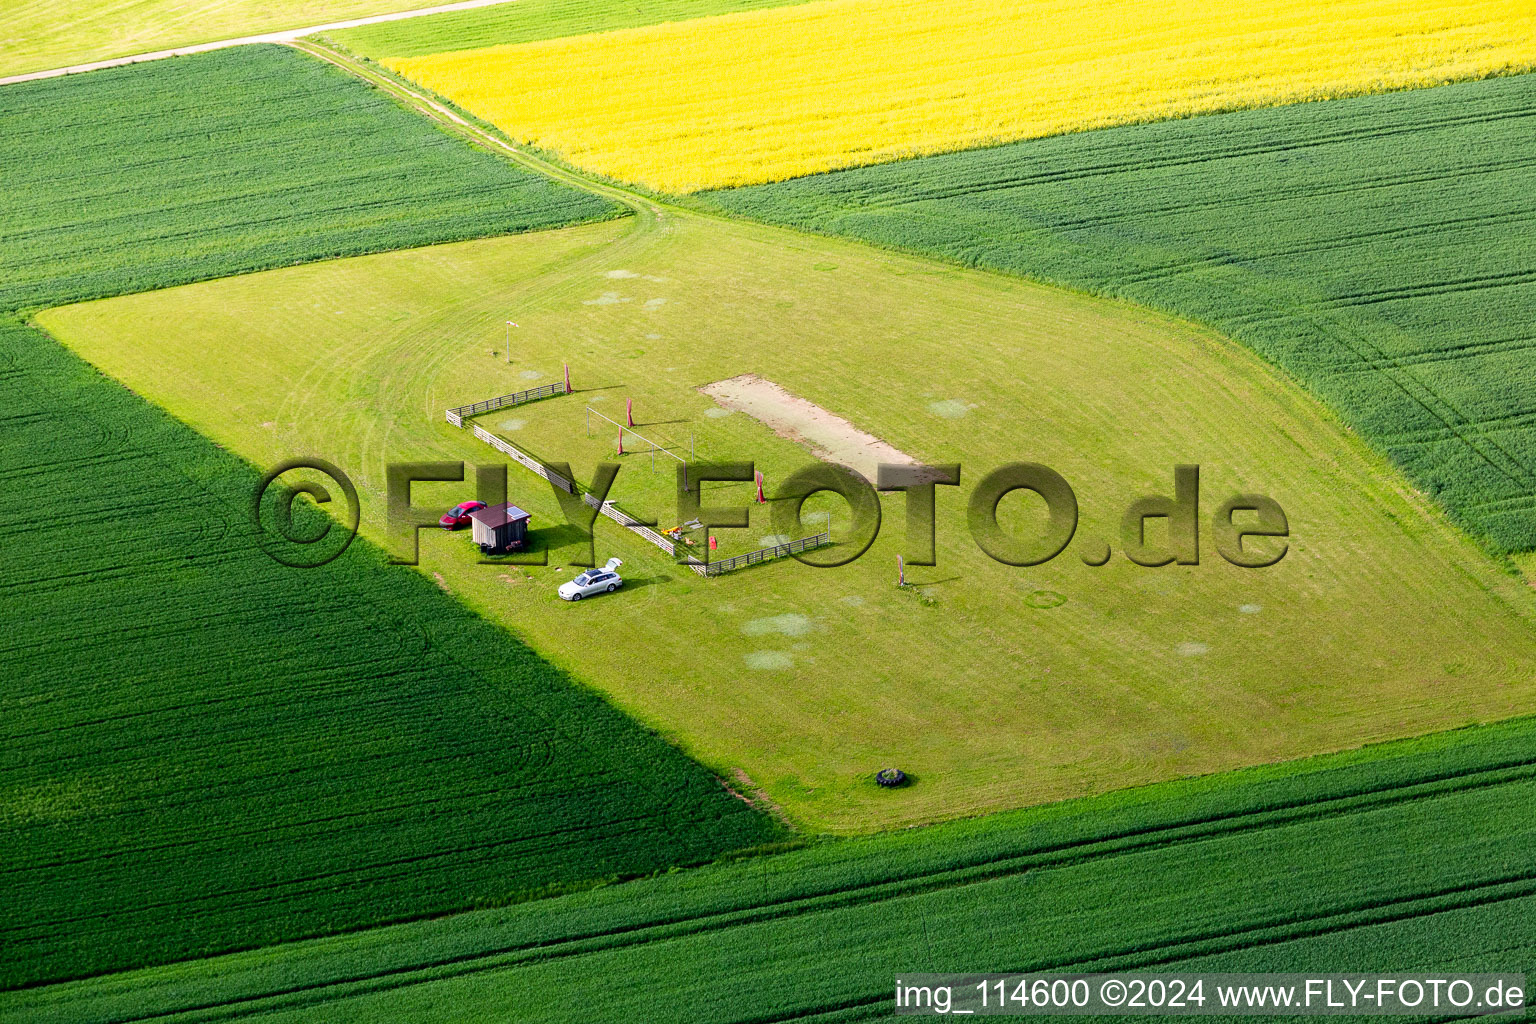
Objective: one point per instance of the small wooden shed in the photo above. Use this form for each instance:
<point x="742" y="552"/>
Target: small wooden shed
<point x="499" y="528"/>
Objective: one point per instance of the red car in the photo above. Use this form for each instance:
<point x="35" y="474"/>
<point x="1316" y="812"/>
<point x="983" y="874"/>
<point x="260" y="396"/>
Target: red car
<point x="459" y="515"/>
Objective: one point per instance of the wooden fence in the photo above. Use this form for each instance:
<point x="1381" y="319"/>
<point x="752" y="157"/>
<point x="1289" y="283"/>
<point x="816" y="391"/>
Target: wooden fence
<point x="464" y="412"/>
<point x="510" y="450"/>
<point x="624" y="519"/>
<point x="607" y="508"/>
<point x="764" y="554"/>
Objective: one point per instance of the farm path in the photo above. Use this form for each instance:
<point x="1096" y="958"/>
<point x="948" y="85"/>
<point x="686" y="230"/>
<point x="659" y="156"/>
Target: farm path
<point x="648" y="211"/>
<point x="416" y="331"/>
<point x="284" y="36"/>
<point x="649" y="226"/>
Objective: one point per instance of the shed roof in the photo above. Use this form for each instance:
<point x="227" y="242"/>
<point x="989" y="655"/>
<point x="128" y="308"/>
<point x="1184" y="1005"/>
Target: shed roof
<point x="499" y="515"/>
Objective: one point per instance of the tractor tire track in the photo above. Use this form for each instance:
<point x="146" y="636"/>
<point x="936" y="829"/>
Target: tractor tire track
<point x="1061" y="855"/>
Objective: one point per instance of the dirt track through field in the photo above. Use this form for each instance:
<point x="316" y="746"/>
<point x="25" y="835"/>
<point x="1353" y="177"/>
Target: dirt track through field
<point x="828" y="435"/>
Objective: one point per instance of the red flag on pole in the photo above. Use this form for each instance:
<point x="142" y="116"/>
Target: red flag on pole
<point x="714" y="542"/>
<point x="760" y="499"/>
<point x="629" y="411"/>
<point x="621" y="440"/>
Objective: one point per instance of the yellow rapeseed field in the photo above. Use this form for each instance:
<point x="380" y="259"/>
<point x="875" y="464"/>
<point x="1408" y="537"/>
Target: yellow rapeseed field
<point x="773" y="94"/>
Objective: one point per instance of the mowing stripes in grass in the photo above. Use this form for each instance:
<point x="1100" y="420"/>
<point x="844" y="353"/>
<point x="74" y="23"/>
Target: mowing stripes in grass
<point x="205" y="751"/>
<point x="1378" y="248"/>
<point x="148" y="176"/>
<point x="1381" y="621"/>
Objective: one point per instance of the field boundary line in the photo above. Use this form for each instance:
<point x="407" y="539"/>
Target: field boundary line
<point x="1050" y="856"/>
<point x="443" y="113"/>
<point x="1260" y="933"/>
<point x="280" y="36"/>
<point x="1256" y="936"/>
<point x="767" y="554"/>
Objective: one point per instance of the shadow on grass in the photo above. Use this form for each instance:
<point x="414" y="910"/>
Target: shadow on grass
<point x="641" y="582"/>
<point x="931" y="583"/>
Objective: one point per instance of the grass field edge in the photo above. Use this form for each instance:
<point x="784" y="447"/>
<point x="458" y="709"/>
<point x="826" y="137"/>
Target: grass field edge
<point x="828" y="854"/>
<point x="1501" y="580"/>
<point x="1386" y="473"/>
<point x="227" y="477"/>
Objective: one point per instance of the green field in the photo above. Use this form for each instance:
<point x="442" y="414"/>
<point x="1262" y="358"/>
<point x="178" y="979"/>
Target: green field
<point x="1056" y="681"/>
<point x="526" y="21"/>
<point x="372" y="792"/>
<point x="222" y="163"/>
<point x="206" y="751"/>
<point x="38" y="36"/>
<point x="1378" y="249"/>
<point x="1412" y="856"/>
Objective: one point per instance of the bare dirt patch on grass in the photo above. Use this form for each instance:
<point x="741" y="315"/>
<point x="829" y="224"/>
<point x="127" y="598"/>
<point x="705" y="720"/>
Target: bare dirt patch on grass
<point x="753" y="795"/>
<point x="826" y="434"/>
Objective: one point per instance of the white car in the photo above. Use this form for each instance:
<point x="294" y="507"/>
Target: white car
<point x="593" y="581"/>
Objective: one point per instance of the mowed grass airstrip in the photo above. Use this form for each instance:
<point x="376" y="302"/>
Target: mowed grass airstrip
<point x="1378" y="249"/>
<point x="994" y="686"/>
<point x="765" y="95"/>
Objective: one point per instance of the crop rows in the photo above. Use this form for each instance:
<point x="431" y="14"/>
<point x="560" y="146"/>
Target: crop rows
<point x="1378" y="248"/>
<point x="227" y="162"/>
<point x="1408" y="856"/>
<point x="1382" y="622"/>
<point x="767" y="95"/>
<point x="205" y="751"/>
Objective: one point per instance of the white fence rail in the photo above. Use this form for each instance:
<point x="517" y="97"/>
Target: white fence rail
<point x="510" y="450"/>
<point x="618" y="515"/>
<point x="607" y="508"/>
<point x="627" y="521"/>
<point x="765" y="554"/>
